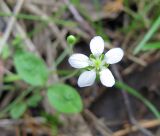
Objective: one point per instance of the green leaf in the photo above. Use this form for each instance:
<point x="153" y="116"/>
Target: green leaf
<point x="52" y="119"/>
<point x="147" y="36"/>
<point x="151" y="46"/>
<point x="18" y="110"/>
<point x="31" y="68"/>
<point x="64" y="98"/>
<point x="34" y="100"/>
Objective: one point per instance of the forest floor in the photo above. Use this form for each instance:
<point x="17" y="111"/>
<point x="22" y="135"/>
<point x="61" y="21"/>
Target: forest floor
<point x="130" y="108"/>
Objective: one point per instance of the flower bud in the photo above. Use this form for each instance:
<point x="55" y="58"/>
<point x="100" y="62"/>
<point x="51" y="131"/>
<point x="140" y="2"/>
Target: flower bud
<point x="71" y="40"/>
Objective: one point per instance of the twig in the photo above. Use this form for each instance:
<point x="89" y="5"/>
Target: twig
<point x="79" y="18"/>
<point x="7" y="99"/>
<point x="10" y="122"/>
<point x="35" y="10"/>
<point x="136" y="60"/>
<point x="128" y="107"/>
<point x="102" y="128"/>
<point x="10" y="24"/>
<point x="42" y="2"/>
<point x="18" y="30"/>
<point x="129" y="69"/>
<point x="145" y="124"/>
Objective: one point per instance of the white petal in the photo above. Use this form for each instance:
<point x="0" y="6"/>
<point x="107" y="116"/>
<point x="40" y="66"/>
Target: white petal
<point x="79" y="60"/>
<point x="97" y="45"/>
<point x="87" y="78"/>
<point x="107" y="78"/>
<point x="114" y="55"/>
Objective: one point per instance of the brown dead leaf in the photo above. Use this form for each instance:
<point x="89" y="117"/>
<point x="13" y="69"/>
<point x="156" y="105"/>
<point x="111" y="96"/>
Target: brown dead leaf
<point x="114" y="6"/>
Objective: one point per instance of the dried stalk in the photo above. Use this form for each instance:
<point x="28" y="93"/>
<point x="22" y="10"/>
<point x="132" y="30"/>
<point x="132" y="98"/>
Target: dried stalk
<point x="10" y="24"/>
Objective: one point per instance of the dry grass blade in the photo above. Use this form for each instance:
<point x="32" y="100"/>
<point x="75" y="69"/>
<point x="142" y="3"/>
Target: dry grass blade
<point x="18" y="30"/>
<point x="144" y="124"/>
<point x="10" y="24"/>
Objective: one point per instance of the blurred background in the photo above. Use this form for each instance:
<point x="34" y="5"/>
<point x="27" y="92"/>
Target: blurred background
<point x="34" y="56"/>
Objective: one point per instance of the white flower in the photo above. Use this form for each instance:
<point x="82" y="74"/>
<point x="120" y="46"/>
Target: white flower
<point x="96" y="64"/>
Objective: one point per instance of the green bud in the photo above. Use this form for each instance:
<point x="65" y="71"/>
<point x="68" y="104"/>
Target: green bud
<point x="71" y="40"/>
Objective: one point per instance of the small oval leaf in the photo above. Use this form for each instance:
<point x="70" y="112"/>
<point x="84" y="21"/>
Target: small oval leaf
<point x="31" y="68"/>
<point x="18" y="110"/>
<point x="64" y="98"/>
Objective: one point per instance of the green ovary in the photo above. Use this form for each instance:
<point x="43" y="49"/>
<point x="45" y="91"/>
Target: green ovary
<point x="97" y="64"/>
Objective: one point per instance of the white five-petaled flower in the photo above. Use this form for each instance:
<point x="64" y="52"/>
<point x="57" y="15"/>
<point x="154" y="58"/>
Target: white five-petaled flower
<point x="97" y="63"/>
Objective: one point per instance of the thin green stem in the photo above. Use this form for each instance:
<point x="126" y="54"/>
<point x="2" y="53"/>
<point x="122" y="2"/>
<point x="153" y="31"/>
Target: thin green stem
<point x="136" y="94"/>
<point x="64" y="54"/>
<point x="75" y="72"/>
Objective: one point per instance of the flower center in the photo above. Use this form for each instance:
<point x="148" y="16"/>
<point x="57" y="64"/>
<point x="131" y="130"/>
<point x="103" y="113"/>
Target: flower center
<point x="97" y="63"/>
